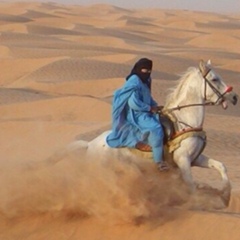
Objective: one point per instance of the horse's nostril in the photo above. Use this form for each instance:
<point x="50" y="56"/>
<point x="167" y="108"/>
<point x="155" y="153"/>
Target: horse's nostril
<point x="235" y="100"/>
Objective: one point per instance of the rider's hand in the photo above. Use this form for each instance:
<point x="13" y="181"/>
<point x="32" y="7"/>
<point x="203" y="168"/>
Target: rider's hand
<point x="154" y="109"/>
<point x="160" y="108"/>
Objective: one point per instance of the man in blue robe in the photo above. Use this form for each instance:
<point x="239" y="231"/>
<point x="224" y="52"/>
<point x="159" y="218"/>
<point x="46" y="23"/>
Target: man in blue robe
<point x="134" y="114"/>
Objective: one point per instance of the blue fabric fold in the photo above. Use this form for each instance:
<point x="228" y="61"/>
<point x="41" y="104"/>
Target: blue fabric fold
<point x="131" y="118"/>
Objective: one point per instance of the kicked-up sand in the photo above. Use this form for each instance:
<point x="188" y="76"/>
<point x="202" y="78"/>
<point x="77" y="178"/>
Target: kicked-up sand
<point x="60" y="65"/>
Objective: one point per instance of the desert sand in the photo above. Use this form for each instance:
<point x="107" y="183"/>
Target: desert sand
<point x="60" y="65"/>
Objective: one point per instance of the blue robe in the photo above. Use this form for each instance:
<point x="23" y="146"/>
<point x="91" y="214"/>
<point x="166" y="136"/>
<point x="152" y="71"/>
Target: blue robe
<point x="132" y="120"/>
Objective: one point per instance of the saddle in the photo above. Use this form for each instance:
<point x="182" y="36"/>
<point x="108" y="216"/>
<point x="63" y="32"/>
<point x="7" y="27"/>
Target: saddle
<point x="172" y="138"/>
<point x="168" y="129"/>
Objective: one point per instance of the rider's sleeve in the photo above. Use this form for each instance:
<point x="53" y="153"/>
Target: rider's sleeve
<point x="136" y="104"/>
<point x="153" y="102"/>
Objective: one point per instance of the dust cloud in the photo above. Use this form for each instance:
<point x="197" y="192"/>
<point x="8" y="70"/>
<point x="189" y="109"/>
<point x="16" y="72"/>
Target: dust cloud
<point x="71" y="185"/>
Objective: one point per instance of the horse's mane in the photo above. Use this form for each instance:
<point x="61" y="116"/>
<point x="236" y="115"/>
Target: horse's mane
<point x="181" y="83"/>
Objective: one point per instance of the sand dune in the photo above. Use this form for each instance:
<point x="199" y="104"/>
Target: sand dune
<point x="60" y="65"/>
<point x="14" y="28"/>
<point x="217" y="41"/>
<point x="21" y="68"/>
<point x="74" y="88"/>
<point x="4" y="51"/>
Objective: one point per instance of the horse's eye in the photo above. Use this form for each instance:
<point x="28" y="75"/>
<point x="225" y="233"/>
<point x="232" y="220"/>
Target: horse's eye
<point x="215" y="79"/>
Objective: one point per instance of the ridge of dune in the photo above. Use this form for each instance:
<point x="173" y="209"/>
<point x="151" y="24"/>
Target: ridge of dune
<point x="109" y="41"/>
<point x="21" y="69"/>
<point x="17" y="8"/>
<point x="157" y="14"/>
<point x="54" y="23"/>
<point x="72" y="69"/>
<point x="78" y="88"/>
<point x="38" y="14"/>
<point x="105" y="8"/>
<point x="14" y="18"/>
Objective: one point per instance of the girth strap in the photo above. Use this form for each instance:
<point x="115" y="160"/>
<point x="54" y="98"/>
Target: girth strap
<point x="179" y="137"/>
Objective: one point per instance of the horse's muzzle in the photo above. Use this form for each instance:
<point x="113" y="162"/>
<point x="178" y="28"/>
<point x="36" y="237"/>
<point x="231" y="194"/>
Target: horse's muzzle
<point x="232" y="97"/>
<point x="235" y="99"/>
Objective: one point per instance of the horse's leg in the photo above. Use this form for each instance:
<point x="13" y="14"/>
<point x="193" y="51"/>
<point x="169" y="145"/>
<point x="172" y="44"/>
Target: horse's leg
<point x="183" y="163"/>
<point x="206" y="162"/>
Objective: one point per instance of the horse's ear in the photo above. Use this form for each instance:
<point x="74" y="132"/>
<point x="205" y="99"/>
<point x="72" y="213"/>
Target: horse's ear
<point x="209" y="62"/>
<point x="203" y="67"/>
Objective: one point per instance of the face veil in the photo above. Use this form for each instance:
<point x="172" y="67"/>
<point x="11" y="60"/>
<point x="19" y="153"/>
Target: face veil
<point x="143" y="63"/>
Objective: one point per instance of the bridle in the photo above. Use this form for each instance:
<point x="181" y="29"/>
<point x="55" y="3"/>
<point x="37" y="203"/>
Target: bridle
<point x="206" y="82"/>
<point x="169" y="111"/>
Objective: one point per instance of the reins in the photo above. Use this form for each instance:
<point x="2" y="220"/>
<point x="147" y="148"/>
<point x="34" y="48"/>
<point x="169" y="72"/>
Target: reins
<point x="188" y="105"/>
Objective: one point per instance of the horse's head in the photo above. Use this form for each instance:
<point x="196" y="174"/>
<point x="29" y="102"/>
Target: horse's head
<point x="215" y="90"/>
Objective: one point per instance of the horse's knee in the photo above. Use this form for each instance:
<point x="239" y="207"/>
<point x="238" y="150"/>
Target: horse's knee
<point x="218" y="165"/>
<point x="223" y="168"/>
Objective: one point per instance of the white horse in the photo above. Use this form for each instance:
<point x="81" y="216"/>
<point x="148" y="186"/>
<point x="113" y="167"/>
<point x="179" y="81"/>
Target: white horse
<point x="185" y="106"/>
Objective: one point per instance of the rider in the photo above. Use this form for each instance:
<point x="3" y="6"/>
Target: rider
<point x="134" y="114"/>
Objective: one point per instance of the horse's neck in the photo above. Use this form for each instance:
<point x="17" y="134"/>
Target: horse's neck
<point x="190" y="116"/>
<point x="186" y="94"/>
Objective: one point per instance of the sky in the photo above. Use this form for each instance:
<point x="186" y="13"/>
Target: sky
<point x="219" y="6"/>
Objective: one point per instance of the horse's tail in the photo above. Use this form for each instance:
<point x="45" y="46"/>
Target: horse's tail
<point x="80" y="144"/>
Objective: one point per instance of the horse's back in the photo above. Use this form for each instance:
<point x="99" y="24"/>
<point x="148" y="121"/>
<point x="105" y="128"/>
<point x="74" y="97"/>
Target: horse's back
<point x="101" y="139"/>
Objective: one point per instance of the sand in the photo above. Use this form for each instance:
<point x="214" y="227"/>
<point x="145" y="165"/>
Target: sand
<point x="60" y="65"/>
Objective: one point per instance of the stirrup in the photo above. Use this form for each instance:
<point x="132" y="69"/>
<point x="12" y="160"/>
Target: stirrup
<point x="163" y="166"/>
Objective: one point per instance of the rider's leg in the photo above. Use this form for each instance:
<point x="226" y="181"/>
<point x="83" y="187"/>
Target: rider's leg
<point x="156" y="141"/>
